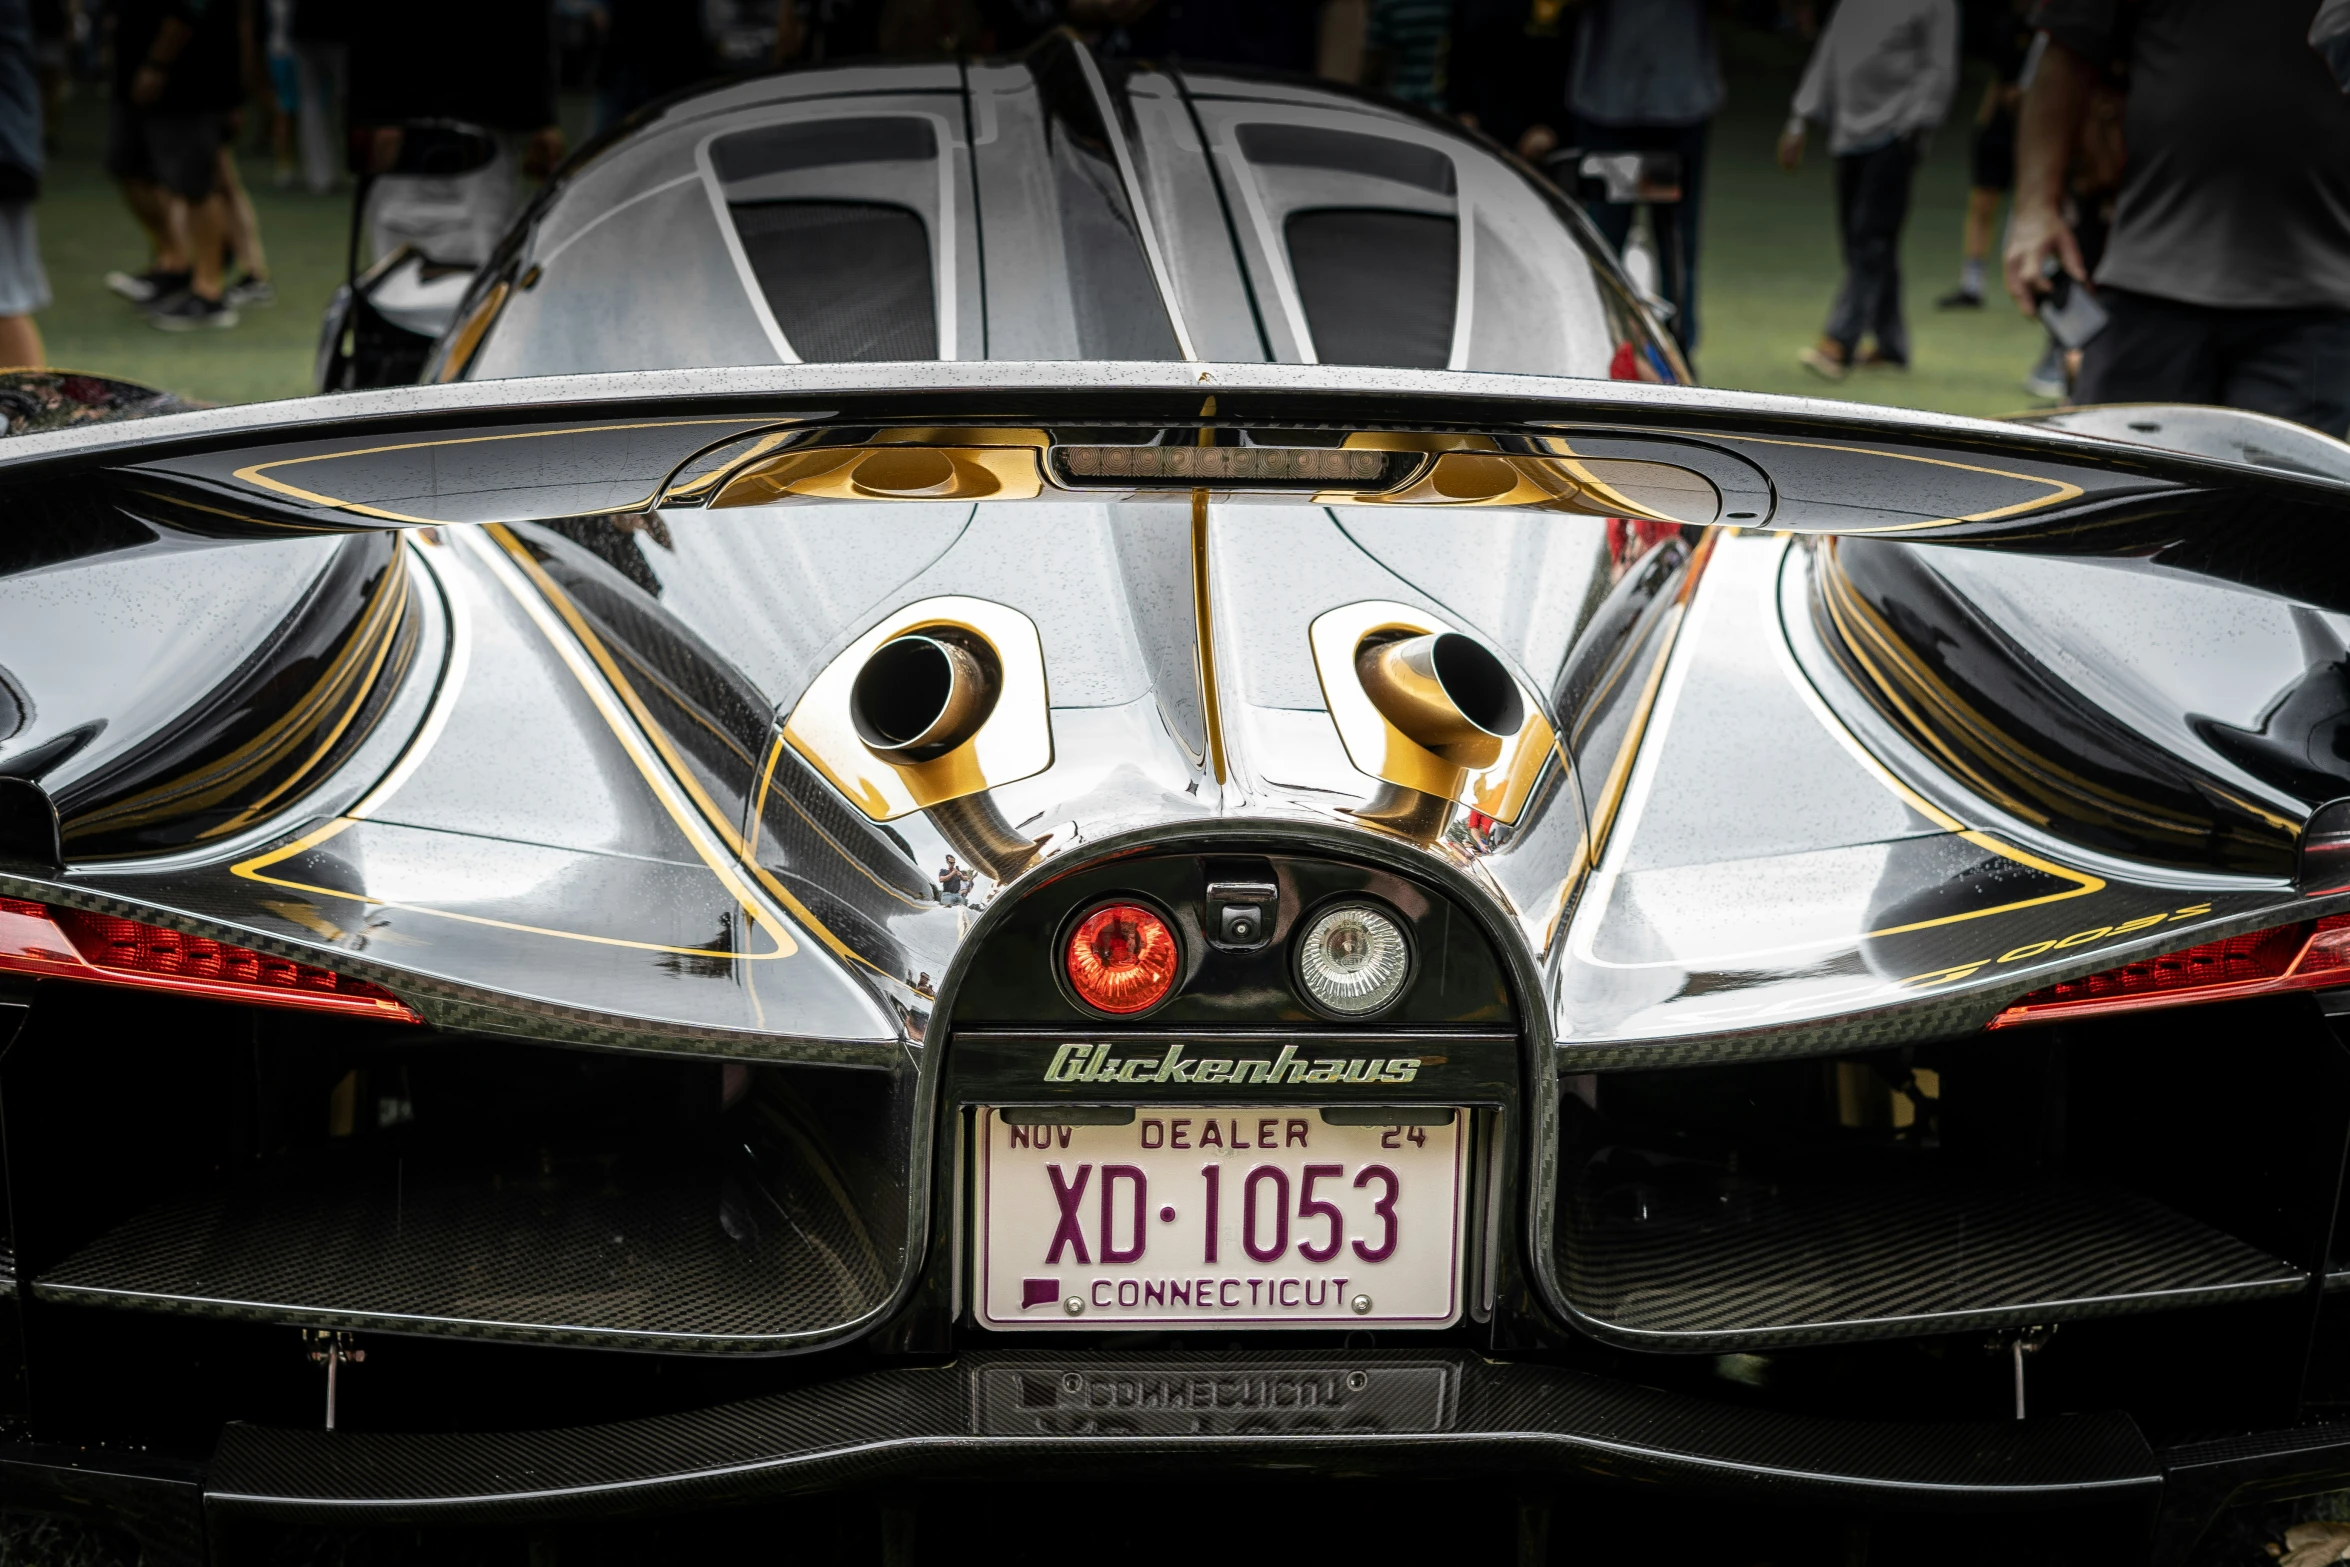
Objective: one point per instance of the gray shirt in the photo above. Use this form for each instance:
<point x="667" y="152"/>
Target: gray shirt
<point x="2237" y="190"/>
<point x="1882" y="69"/>
<point x="1645" y="62"/>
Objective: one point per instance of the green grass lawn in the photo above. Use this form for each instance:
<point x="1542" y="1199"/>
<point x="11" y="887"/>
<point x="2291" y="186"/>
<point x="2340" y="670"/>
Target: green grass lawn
<point x="1769" y="268"/>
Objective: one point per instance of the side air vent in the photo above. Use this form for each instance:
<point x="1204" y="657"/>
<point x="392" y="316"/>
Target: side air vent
<point x="338" y="1175"/>
<point x="2009" y="1180"/>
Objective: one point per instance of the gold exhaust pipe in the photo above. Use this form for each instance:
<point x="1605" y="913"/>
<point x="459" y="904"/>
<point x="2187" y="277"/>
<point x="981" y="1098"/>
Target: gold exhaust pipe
<point x="1444" y="691"/>
<point x="920" y="696"/>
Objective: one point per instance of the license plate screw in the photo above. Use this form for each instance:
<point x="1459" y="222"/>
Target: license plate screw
<point x="1075" y="1305"/>
<point x="1072" y="1383"/>
<point x="1356" y="1381"/>
<point x="1361" y="1305"/>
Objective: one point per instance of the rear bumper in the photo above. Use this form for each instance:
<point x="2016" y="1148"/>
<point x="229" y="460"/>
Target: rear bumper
<point x="1033" y="1415"/>
<point x="1002" y="1414"/>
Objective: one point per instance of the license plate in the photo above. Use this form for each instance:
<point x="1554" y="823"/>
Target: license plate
<point x="1216" y="1217"/>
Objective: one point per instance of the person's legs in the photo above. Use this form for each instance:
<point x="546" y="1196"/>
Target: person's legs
<point x="1991" y="159"/>
<point x="319" y="67"/>
<point x="152" y="205"/>
<point x="1848" y="315"/>
<point x="1676" y="229"/>
<point x="2151" y="351"/>
<point x="24" y="287"/>
<point x="207" y="238"/>
<point x="1884" y="199"/>
<point x="1872" y="197"/>
<point x="20" y="344"/>
<point x="133" y="170"/>
<point x="187" y="151"/>
<point x="2294" y="364"/>
<point x="243" y="224"/>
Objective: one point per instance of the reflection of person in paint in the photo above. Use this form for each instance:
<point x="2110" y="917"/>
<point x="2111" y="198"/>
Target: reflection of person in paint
<point x="954" y="884"/>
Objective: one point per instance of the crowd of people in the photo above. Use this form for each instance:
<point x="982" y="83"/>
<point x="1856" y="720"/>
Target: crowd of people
<point x="2178" y="172"/>
<point x="2179" y="179"/>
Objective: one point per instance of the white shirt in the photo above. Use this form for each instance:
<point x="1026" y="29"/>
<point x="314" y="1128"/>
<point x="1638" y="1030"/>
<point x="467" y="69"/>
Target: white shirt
<point x="1881" y="70"/>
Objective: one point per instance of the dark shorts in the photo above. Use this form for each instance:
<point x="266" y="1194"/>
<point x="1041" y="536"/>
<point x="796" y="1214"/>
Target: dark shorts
<point x="1991" y="157"/>
<point x="2294" y="364"/>
<point x="177" y="150"/>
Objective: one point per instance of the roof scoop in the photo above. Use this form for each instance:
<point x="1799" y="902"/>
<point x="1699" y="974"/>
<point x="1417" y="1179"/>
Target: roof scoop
<point x="920" y="696"/>
<point x="1446" y="692"/>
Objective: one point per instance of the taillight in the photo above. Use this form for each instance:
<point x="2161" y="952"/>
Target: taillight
<point x="1122" y="958"/>
<point x="61" y="943"/>
<point x="2313" y="955"/>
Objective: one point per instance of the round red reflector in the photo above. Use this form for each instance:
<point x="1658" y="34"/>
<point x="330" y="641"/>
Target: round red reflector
<point x="1122" y="958"/>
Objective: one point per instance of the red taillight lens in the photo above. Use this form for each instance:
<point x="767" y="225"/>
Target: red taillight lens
<point x="2313" y="955"/>
<point x="1122" y="959"/>
<point x="61" y="943"/>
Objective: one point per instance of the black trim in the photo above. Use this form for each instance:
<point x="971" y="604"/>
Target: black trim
<point x="946" y="1422"/>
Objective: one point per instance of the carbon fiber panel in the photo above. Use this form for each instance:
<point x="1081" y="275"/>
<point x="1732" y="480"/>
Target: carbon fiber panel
<point x="684" y="1258"/>
<point x="1754" y="1265"/>
<point x="158" y="1502"/>
<point x="935" y="1423"/>
<point x="2200" y="1479"/>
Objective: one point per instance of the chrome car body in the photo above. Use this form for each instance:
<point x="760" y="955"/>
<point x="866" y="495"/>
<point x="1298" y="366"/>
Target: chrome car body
<point x="522" y="729"/>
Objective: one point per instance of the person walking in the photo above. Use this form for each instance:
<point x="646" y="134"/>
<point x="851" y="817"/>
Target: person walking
<point x="1991" y="153"/>
<point x="178" y="81"/>
<point x="2226" y="275"/>
<point x="1880" y="77"/>
<point x="1647" y="78"/>
<point x="24" y="285"/>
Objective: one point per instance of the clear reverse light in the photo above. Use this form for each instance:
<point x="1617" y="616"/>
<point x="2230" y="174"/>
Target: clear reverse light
<point x="1353" y="959"/>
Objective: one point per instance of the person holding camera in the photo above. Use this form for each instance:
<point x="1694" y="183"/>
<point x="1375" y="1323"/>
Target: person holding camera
<point x="2226" y="276"/>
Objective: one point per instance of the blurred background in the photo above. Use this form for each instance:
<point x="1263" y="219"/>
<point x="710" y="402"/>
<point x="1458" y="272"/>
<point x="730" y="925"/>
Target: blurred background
<point x="1768" y="262"/>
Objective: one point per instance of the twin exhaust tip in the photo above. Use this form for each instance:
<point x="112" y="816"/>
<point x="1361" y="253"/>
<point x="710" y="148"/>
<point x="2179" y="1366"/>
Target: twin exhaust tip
<point x="922" y="695"/>
<point x="919" y="696"/>
<point x="1446" y="692"/>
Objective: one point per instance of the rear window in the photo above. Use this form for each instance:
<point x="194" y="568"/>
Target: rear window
<point x="1378" y="286"/>
<point x="846" y="280"/>
<point x="846" y="272"/>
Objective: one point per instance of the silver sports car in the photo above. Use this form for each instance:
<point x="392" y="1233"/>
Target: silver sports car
<point x="1027" y="786"/>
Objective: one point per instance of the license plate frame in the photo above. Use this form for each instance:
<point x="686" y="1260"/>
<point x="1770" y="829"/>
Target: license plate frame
<point x="1413" y="1275"/>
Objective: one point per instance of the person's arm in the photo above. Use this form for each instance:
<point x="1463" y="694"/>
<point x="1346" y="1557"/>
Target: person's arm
<point x="155" y="70"/>
<point x="1812" y="98"/>
<point x="2047" y="127"/>
<point x="1941" y="75"/>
